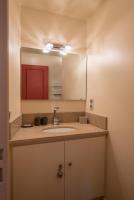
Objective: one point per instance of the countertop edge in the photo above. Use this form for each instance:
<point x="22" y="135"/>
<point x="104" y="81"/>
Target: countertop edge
<point x="57" y="138"/>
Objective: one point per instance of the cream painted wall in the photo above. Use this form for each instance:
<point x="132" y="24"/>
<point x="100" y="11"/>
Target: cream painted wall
<point x="78" y="9"/>
<point x="39" y="27"/>
<point x="14" y="59"/>
<point x="110" y="84"/>
<point x="47" y="106"/>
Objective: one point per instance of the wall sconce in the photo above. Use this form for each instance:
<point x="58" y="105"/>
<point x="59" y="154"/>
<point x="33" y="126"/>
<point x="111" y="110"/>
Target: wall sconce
<point x="63" y="50"/>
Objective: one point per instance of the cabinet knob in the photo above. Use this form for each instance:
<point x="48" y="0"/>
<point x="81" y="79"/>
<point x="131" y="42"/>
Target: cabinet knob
<point x="69" y="164"/>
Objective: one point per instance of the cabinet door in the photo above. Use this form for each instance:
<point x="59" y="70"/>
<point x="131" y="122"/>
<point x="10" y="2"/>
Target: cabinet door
<point x="34" y="82"/>
<point x="84" y="165"/>
<point x="35" y="170"/>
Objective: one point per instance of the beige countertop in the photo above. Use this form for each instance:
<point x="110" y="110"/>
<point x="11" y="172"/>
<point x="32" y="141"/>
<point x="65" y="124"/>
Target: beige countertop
<point x="34" y="135"/>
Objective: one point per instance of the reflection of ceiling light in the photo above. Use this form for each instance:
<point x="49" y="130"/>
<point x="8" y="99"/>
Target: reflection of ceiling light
<point x="63" y="50"/>
<point x="45" y="51"/>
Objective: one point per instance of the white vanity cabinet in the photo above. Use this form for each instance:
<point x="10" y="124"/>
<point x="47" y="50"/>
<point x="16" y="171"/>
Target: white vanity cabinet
<point x="35" y="170"/>
<point x="70" y="170"/>
<point x="84" y="166"/>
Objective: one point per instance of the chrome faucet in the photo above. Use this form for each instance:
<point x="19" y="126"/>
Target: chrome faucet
<point x="55" y="120"/>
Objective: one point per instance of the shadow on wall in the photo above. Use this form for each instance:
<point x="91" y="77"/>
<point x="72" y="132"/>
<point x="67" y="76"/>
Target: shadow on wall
<point x="97" y="5"/>
<point x="107" y="21"/>
<point x="113" y="175"/>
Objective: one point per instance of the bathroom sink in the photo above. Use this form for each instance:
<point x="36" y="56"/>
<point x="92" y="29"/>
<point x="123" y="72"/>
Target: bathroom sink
<point x="58" y="129"/>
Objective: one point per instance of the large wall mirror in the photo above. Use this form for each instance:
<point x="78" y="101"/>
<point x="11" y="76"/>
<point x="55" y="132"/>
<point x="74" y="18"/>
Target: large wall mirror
<point x="52" y="76"/>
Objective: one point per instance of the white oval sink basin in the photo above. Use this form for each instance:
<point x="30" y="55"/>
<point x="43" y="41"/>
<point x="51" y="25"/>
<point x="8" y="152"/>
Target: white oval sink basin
<point x="59" y="129"/>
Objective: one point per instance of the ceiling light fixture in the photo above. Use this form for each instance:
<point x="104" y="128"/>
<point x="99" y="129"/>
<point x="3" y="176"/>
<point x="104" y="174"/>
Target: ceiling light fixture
<point x="63" y="50"/>
<point x="68" y="48"/>
<point x="48" y="47"/>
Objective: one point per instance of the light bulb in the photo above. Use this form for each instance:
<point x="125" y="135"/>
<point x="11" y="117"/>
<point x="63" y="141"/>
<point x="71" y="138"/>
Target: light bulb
<point x="68" y="48"/>
<point x="48" y="47"/>
<point x="45" y="50"/>
<point x="63" y="52"/>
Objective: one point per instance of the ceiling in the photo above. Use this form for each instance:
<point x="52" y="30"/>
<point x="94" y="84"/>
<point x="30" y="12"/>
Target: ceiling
<point x="79" y="9"/>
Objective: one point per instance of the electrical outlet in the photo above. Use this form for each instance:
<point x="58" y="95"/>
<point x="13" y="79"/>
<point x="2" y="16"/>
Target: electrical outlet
<point x="91" y="104"/>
